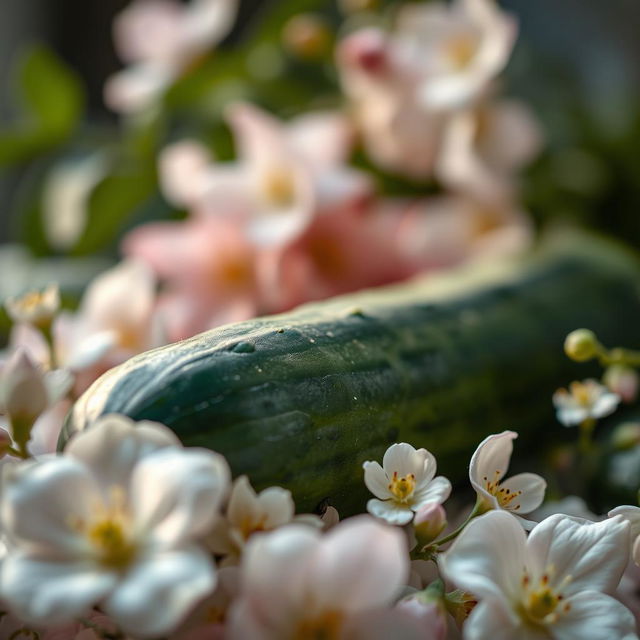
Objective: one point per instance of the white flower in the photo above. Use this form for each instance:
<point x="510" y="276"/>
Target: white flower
<point x="461" y="48"/>
<point x="160" y="38"/>
<point x="36" y="307"/>
<point x="553" y="585"/>
<point x="297" y="583"/>
<point x="404" y="483"/>
<point x="248" y="513"/>
<point x="588" y="400"/>
<point x="114" y="521"/>
<point x="632" y="515"/>
<point x="519" y="494"/>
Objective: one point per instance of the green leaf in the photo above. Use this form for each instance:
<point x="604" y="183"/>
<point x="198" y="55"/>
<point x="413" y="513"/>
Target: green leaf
<point x="113" y="203"/>
<point x="51" y="100"/>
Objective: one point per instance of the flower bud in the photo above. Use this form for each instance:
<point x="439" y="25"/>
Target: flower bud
<point x="581" y="345"/>
<point x="36" y="307"/>
<point x="429" y="522"/>
<point x="24" y="395"/>
<point x="459" y="604"/>
<point x="622" y="380"/>
<point x="428" y="608"/>
<point x="626" y="435"/>
<point x="307" y="36"/>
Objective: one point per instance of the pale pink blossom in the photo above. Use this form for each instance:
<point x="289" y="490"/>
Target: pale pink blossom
<point x="459" y="48"/>
<point x="298" y="583"/>
<point x="484" y="149"/>
<point x="622" y="380"/>
<point x="284" y="175"/>
<point x="555" y="584"/>
<point x="445" y="230"/>
<point x="209" y="269"/>
<point x="159" y="39"/>
<point x="399" y="134"/>
<point x="517" y="495"/>
<point x="404" y="483"/>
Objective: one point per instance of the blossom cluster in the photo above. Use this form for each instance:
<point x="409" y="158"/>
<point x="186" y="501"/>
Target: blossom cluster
<point x="291" y="218"/>
<point x="128" y="534"/>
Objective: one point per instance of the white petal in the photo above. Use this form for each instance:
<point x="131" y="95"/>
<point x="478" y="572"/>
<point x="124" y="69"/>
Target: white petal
<point x="595" y="616"/>
<point x="390" y="511"/>
<point x="42" y="500"/>
<point x="243" y="502"/>
<point x="157" y="594"/>
<point x="175" y="493"/>
<point x="45" y="592"/>
<point x="494" y="619"/>
<point x="532" y="487"/>
<point x="438" y="490"/>
<point x="113" y="444"/>
<point x="376" y="479"/>
<point x="405" y="460"/>
<point x="570" y="416"/>
<point x="594" y="554"/>
<point x="491" y="459"/>
<point x="278" y="506"/>
<point x="361" y="564"/>
<point x="606" y="404"/>
<point x="488" y="557"/>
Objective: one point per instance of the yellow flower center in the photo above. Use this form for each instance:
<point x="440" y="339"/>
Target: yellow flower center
<point x="542" y="601"/>
<point x="107" y="532"/>
<point x="581" y="394"/>
<point x="402" y="487"/>
<point x="326" y="626"/>
<point x="115" y="550"/>
<point x="505" y="497"/>
<point x="278" y="186"/>
<point x="460" y="50"/>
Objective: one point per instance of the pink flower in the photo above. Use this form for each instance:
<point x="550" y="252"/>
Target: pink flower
<point x="159" y="39"/>
<point x="209" y="269"/>
<point x="299" y="583"/>
<point x="399" y="134"/>
<point x="284" y="176"/>
<point x="484" y="148"/>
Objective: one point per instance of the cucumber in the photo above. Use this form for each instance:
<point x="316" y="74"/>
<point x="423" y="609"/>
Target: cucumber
<point x="303" y="398"/>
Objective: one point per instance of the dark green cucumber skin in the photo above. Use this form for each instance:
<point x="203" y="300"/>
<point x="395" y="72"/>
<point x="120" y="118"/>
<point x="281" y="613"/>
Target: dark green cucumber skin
<point x="302" y="399"/>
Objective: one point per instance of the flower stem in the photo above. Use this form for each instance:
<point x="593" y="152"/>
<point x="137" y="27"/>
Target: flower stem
<point x="478" y="510"/>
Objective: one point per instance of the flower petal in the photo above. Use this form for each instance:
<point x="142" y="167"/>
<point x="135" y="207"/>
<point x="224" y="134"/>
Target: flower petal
<point x="361" y="564"/>
<point x="493" y="618"/>
<point x="595" y="616"/>
<point x="438" y="490"/>
<point x="390" y="511"/>
<point x="531" y="487"/>
<point x="157" y="593"/>
<point x="594" y="554"/>
<point x="376" y="479"/>
<point x="45" y="592"/>
<point x="491" y="459"/>
<point x="42" y="500"/>
<point x="488" y="557"/>
<point x="114" y="444"/>
<point x="175" y="493"/>
<point x="405" y="460"/>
